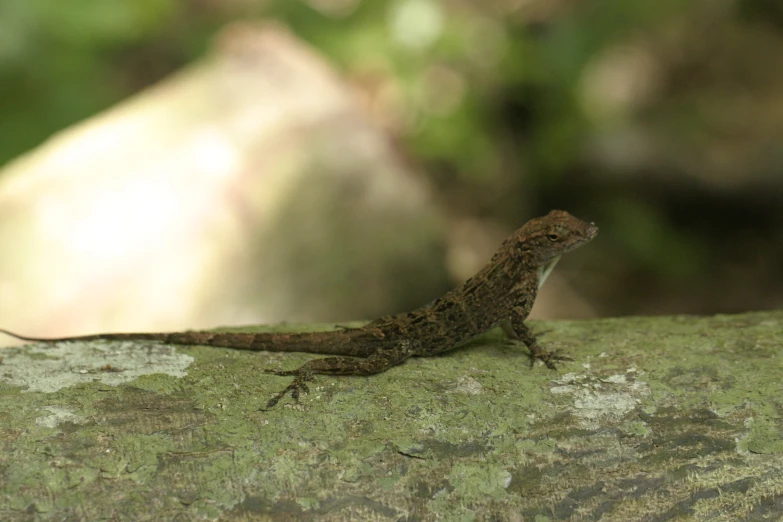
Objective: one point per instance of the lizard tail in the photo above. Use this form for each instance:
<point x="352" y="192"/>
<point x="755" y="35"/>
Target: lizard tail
<point x="327" y="343"/>
<point x="95" y="337"/>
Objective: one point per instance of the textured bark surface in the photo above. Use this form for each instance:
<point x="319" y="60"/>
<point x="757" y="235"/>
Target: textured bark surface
<point x="657" y="419"/>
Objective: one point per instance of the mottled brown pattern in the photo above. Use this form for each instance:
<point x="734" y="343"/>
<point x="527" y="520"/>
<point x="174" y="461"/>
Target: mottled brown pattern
<point x="502" y="293"/>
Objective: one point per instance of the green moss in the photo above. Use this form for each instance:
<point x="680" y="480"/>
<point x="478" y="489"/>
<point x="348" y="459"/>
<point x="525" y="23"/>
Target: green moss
<point x="653" y="412"/>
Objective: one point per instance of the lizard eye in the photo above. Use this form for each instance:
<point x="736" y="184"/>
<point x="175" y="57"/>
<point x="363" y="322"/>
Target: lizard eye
<point x="553" y="237"/>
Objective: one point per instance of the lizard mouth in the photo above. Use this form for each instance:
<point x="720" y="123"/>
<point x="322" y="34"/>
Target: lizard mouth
<point x="591" y="232"/>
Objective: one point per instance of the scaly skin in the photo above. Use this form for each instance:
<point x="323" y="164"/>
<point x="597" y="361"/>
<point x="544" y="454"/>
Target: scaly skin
<point x="502" y="293"/>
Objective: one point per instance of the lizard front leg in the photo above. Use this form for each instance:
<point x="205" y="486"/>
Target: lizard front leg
<point x="516" y="329"/>
<point x="378" y="362"/>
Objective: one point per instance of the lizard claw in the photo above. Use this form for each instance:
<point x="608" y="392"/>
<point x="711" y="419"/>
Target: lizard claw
<point x="298" y="385"/>
<point x="548" y="358"/>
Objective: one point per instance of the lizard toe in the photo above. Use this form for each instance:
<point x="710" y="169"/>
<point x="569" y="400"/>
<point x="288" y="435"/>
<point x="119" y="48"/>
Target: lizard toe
<point x="548" y="358"/>
<point x="298" y="385"/>
<point x="293" y="388"/>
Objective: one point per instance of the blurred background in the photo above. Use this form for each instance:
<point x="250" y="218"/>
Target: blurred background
<point x="172" y="164"/>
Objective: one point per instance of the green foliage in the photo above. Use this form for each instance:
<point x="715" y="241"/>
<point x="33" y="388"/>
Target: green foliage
<point x="63" y="61"/>
<point x="58" y="61"/>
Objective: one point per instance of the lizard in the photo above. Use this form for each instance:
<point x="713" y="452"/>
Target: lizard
<point x="500" y="294"/>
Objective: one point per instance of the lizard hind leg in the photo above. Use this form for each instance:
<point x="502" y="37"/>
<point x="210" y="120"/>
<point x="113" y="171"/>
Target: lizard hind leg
<point x="378" y="362"/>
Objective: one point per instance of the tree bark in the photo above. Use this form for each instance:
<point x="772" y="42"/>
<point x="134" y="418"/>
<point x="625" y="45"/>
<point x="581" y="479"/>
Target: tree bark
<point x="656" y="419"/>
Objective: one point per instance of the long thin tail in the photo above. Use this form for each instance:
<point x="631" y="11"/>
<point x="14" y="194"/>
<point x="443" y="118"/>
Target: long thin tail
<point x="95" y="337"/>
<point x="341" y="342"/>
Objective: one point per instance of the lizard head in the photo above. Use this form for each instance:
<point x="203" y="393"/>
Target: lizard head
<point x="545" y="239"/>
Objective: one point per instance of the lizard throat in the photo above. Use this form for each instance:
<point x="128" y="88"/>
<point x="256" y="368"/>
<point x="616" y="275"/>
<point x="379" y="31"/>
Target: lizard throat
<point x="545" y="270"/>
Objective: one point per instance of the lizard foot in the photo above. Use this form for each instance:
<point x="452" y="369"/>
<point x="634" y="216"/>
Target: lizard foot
<point x="548" y="358"/>
<point x="298" y="385"/>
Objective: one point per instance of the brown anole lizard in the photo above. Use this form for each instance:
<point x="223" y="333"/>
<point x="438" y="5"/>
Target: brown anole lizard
<point x="501" y="293"/>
